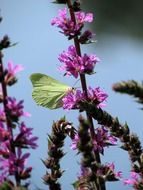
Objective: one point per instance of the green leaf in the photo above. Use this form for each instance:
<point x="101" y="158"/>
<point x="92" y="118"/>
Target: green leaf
<point x="47" y="91"/>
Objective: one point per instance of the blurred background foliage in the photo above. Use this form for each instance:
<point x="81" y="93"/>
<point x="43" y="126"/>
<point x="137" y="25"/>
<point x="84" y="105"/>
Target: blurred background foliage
<point x="120" y="16"/>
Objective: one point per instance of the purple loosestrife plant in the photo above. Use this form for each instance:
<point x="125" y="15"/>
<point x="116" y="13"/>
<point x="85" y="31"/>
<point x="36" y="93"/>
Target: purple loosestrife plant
<point x="71" y="21"/>
<point x="89" y="140"/>
<point x="15" y="136"/>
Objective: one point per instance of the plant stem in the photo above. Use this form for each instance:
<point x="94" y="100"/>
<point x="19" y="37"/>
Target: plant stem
<point x="101" y="183"/>
<point x="8" y="121"/>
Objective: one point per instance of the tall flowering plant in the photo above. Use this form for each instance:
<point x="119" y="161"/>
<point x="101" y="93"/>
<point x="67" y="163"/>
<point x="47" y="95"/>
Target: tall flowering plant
<point x="89" y="140"/>
<point x="15" y="136"/>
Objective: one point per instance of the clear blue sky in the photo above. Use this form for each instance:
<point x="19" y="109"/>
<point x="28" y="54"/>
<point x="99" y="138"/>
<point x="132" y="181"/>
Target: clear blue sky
<point x="28" y="23"/>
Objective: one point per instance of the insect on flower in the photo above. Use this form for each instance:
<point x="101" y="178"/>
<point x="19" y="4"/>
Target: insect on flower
<point x="47" y="91"/>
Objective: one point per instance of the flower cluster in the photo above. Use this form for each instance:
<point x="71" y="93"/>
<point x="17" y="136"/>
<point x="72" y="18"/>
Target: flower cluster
<point x="107" y="170"/>
<point x="12" y="142"/>
<point x="73" y="64"/>
<point x="11" y="71"/>
<point x="101" y="140"/>
<point x="16" y="163"/>
<point x="112" y="168"/>
<point x="74" y="97"/>
<point x="12" y="162"/>
<point x="133" y="180"/>
<point x="15" y="109"/>
<point x="71" y="99"/>
<point x="25" y="138"/>
<point x="69" y="27"/>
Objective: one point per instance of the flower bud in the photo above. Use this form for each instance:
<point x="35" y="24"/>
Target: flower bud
<point x="5" y="42"/>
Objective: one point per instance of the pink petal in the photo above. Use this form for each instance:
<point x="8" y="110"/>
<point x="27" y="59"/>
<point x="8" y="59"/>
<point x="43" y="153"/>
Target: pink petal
<point x="26" y="114"/>
<point x="18" y="68"/>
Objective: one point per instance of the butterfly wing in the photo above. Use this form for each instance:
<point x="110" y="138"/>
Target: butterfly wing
<point x="47" y="92"/>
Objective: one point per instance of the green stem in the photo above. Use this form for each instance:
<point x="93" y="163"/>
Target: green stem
<point x="101" y="184"/>
<point x="8" y="121"/>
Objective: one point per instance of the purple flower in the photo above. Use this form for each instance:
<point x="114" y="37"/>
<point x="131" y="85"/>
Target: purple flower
<point x="72" y="64"/>
<point x="97" y="96"/>
<point x="15" y="109"/>
<point x="4" y="134"/>
<point x="102" y="139"/>
<point x="75" y="142"/>
<point x="67" y="26"/>
<point x="25" y="139"/>
<point x="2" y="118"/>
<point x="112" y="140"/>
<point x="134" y="179"/>
<point x="118" y="174"/>
<point x="2" y="115"/>
<point x="5" y="148"/>
<point x="82" y="17"/>
<point x="16" y="162"/>
<point x="84" y="172"/>
<point x="11" y="71"/>
<point x="73" y="97"/>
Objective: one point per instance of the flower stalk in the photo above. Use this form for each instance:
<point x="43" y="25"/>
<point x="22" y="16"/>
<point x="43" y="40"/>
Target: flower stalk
<point x="84" y="88"/>
<point x="60" y="130"/>
<point x="131" y="142"/>
<point x="8" y="121"/>
<point x="88" y="163"/>
<point x="130" y="87"/>
<point x="12" y="142"/>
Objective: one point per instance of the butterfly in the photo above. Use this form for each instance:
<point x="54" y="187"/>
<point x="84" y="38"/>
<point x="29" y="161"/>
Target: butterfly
<point x="47" y="91"/>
